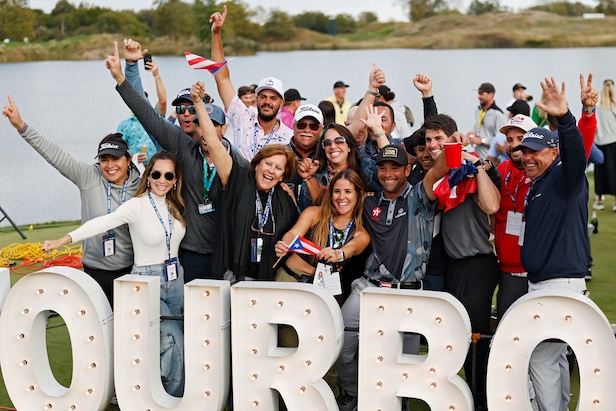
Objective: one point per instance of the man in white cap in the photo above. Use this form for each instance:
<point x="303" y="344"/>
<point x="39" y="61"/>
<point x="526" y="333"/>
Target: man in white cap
<point x="514" y="183"/>
<point x="307" y="127"/>
<point x="251" y="132"/>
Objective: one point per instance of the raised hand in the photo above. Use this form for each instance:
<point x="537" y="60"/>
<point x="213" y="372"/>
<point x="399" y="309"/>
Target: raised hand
<point x="588" y="95"/>
<point x="12" y="113"/>
<point x="556" y="103"/>
<point x="153" y="67"/>
<point x="132" y="51"/>
<point x="373" y="119"/>
<point x="307" y="168"/>
<point x="197" y="91"/>
<point x="218" y="20"/>
<point x="377" y="77"/>
<point x="112" y="63"/>
<point x="423" y="83"/>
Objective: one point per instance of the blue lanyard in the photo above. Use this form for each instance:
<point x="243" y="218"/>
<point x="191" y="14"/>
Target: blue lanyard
<point x="109" y="195"/>
<point x="256" y="147"/>
<point x="263" y="216"/>
<point x="208" y="178"/>
<point x="332" y="229"/>
<point x="517" y="187"/>
<point x="169" y="233"/>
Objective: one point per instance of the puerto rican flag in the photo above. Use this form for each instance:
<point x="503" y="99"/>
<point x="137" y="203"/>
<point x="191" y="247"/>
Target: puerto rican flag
<point x="201" y="63"/>
<point x="302" y="246"/>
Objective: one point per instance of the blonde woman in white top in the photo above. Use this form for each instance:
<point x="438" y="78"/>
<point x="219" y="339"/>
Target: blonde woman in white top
<point x="605" y="139"/>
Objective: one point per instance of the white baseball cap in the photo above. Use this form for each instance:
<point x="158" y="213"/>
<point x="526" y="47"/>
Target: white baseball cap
<point x="309" y="110"/>
<point x="270" y="83"/>
<point x="520" y="121"/>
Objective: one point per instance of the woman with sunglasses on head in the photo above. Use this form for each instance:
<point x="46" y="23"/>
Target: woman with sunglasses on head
<point x="258" y="210"/>
<point x="103" y="187"/>
<point x="154" y="218"/>
<point x="337" y="150"/>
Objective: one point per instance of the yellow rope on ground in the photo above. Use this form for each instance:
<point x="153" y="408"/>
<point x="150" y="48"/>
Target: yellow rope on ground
<point x="21" y="251"/>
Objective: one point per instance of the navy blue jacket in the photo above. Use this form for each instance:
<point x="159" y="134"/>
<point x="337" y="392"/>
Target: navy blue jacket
<point x="556" y="214"/>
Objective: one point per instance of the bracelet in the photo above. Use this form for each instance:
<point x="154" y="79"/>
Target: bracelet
<point x="374" y="93"/>
<point x="309" y="178"/>
<point x="341" y="255"/>
<point x="380" y="134"/>
<point x="586" y="111"/>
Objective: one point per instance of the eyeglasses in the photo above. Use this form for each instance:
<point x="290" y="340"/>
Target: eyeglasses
<point x="328" y="142"/>
<point x="181" y="109"/>
<point x="303" y="124"/>
<point x="169" y="176"/>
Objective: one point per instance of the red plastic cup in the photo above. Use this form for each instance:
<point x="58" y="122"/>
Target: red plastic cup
<point x="453" y="154"/>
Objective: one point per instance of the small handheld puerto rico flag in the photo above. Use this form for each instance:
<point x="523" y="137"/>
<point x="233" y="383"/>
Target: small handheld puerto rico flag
<point x="201" y="63"/>
<point x="302" y="246"/>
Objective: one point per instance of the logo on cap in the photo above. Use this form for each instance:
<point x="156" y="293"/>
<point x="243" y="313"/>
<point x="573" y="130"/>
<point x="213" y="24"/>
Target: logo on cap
<point x="390" y="152"/>
<point x="209" y="109"/>
<point x="108" y="145"/>
<point x="269" y="82"/>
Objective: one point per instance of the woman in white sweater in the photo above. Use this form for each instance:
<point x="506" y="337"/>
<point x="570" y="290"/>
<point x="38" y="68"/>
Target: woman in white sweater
<point x="154" y="218"/>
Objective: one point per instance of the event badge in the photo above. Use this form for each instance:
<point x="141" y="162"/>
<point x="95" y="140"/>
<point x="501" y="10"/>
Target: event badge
<point x="522" y="233"/>
<point x="206" y="207"/>
<point x="109" y="244"/>
<point x="514" y="223"/>
<point x="256" y="245"/>
<point x="171" y="268"/>
<point x="324" y="277"/>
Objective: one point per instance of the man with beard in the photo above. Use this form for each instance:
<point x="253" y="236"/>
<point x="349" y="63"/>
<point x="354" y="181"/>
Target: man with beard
<point x="513" y="281"/>
<point x="201" y="186"/>
<point x="251" y="133"/>
<point x="488" y="119"/>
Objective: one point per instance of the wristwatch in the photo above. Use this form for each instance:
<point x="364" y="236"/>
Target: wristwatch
<point x="480" y="163"/>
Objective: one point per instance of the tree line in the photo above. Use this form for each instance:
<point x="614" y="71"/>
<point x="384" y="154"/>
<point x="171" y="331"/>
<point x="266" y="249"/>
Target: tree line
<point x="177" y="19"/>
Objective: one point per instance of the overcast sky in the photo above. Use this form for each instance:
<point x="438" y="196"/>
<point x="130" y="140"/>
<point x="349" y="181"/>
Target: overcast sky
<point x="386" y="9"/>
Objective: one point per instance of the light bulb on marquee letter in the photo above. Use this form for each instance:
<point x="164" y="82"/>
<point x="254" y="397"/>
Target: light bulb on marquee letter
<point x="540" y="315"/>
<point x="137" y="345"/>
<point x="82" y="304"/>
<point x="385" y="314"/>
<point x="260" y="366"/>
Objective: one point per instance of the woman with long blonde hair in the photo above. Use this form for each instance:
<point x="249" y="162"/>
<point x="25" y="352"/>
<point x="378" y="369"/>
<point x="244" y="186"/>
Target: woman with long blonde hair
<point x="605" y="139"/>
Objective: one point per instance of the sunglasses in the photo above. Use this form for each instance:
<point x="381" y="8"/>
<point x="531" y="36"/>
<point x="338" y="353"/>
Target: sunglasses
<point x="303" y="124"/>
<point x="181" y="109"/>
<point x="169" y="176"/>
<point x="328" y="142"/>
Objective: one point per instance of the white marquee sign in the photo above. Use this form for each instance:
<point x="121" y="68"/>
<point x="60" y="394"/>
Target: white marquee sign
<point x="246" y="317"/>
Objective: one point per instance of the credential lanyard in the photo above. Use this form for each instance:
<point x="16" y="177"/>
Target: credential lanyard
<point x="263" y="216"/>
<point x="332" y="229"/>
<point x="122" y="198"/>
<point x="514" y="196"/>
<point x="208" y="178"/>
<point x="169" y="233"/>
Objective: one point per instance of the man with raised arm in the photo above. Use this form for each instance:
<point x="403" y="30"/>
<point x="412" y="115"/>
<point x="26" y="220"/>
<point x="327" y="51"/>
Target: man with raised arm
<point x="554" y="232"/>
<point x="201" y="188"/>
<point x="251" y="132"/>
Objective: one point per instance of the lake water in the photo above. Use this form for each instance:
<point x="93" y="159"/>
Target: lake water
<point x="75" y="103"/>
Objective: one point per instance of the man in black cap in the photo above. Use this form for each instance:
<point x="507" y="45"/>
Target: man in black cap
<point x="398" y="255"/>
<point x="292" y="100"/>
<point x="489" y="118"/>
<point x="341" y="104"/>
<point x="519" y="93"/>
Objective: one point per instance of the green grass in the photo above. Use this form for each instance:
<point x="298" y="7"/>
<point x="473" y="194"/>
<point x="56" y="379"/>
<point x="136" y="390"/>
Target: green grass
<point x="601" y="287"/>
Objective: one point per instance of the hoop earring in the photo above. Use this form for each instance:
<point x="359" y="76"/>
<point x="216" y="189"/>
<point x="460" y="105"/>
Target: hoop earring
<point x="148" y="184"/>
<point x="174" y="186"/>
